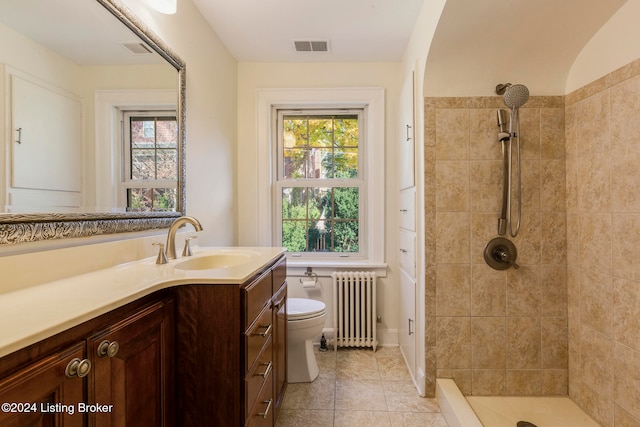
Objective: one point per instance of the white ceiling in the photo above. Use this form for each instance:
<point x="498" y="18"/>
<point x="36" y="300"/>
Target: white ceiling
<point x="82" y="31"/>
<point x="357" y="30"/>
<point x="478" y="44"/>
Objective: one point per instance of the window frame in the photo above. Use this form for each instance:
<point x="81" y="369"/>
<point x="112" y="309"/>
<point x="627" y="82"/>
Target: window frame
<point x="360" y="182"/>
<point x="370" y="98"/>
<point x="126" y="183"/>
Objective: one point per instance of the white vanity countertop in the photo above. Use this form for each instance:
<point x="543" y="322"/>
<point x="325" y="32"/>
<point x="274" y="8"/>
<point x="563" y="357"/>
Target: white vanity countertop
<point x="34" y="313"/>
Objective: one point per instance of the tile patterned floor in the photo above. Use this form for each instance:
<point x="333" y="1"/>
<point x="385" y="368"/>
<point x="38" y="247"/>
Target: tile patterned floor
<point x="359" y="388"/>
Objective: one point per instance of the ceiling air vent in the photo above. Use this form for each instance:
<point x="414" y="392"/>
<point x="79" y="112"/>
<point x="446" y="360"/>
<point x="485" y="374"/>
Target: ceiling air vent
<point x="311" y="46"/>
<point x="137" y="48"/>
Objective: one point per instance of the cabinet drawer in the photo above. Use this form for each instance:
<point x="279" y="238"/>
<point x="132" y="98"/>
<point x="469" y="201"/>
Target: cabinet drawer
<point x="258" y="375"/>
<point x="407" y="214"/>
<point x="256" y="296"/>
<point x="408" y="252"/>
<point x="261" y="414"/>
<point x="279" y="275"/>
<point x="256" y="336"/>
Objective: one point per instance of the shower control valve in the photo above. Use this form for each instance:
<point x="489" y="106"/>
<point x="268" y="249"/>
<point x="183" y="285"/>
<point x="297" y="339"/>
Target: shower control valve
<point x="500" y="253"/>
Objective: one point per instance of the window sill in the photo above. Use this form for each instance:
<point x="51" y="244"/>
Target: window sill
<point x="324" y="268"/>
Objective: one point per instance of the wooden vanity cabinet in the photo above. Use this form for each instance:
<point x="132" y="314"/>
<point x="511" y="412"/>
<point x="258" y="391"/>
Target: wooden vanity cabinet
<point x="229" y="343"/>
<point x="137" y="381"/>
<point x="133" y="370"/>
<point x="32" y="392"/>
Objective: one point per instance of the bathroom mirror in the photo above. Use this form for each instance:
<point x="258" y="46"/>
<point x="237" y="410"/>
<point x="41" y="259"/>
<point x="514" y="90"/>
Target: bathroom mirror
<point x="95" y="59"/>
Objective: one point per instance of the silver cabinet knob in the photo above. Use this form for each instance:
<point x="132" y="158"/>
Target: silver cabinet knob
<point x="78" y="368"/>
<point x="107" y="348"/>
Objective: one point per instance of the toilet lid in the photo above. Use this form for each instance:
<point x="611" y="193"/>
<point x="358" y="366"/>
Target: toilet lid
<point x="302" y="308"/>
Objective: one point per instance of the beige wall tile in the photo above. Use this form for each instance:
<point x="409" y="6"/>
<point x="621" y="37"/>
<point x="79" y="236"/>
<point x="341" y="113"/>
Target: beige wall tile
<point x="553" y="286"/>
<point x="529" y="240"/>
<point x="626" y="313"/>
<point x="489" y="382"/>
<point x="552" y="133"/>
<point x="454" y="342"/>
<point x="552" y="185"/>
<point x="596" y="301"/>
<point x="594" y="176"/>
<point x="452" y="186"/>
<point x="488" y="338"/>
<point x="530" y="133"/>
<point x="595" y="242"/>
<point x="486" y="185"/>
<point x="524" y="292"/>
<point x="627" y="379"/>
<point x="555" y="382"/>
<point x="626" y="245"/>
<point x="530" y="177"/>
<point x="523" y="343"/>
<point x="625" y="419"/>
<point x="452" y="134"/>
<point x="593" y="124"/>
<point x="453" y="294"/>
<point x="488" y="291"/>
<point x="484" y="143"/>
<point x="553" y="228"/>
<point x="554" y="346"/>
<point x="597" y="361"/>
<point x="452" y="237"/>
<point x="524" y="382"/>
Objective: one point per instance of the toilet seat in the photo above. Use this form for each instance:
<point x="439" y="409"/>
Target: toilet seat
<point x="303" y="308"/>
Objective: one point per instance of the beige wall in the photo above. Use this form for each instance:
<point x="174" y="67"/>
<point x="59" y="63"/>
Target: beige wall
<point x="495" y="332"/>
<point x="254" y="76"/>
<point x="211" y="116"/>
<point x="603" y="246"/>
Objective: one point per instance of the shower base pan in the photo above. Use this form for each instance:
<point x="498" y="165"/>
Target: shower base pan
<point x="507" y="411"/>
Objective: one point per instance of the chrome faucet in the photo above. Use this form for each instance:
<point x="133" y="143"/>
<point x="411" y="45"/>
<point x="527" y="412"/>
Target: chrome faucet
<point x="171" y="237"/>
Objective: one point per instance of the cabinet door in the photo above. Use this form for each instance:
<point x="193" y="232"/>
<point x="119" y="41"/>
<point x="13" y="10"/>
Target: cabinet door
<point x="407" y="135"/>
<point x="407" y="336"/>
<point x="136" y="375"/>
<point x="280" y="347"/>
<point x="45" y="385"/>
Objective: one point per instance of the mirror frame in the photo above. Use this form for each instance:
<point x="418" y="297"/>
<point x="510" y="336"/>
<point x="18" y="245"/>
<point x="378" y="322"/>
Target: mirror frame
<point x="22" y="228"/>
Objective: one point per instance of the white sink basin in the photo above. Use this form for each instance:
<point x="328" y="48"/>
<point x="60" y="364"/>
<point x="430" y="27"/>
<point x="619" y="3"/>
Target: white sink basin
<point x="215" y="261"/>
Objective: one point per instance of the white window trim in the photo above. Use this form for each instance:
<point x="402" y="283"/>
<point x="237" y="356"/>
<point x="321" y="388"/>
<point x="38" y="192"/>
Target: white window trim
<point x="373" y="101"/>
<point x="108" y="144"/>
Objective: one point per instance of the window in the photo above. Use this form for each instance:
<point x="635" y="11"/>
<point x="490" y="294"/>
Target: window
<point x="320" y="184"/>
<point x="151" y="158"/>
<point x="267" y="201"/>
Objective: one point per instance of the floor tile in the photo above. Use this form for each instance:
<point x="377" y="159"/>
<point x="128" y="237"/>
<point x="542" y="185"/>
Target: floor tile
<point x="359" y="387"/>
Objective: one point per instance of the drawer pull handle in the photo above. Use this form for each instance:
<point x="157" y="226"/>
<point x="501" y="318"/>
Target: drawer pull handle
<point x="107" y="348"/>
<point x="404" y="210"/>
<point x="267" y="370"/>
<point x="266" y="332"/>
<point x="266" y="411"/>
<point x="78" y="368"/>
<point x="404" y="251"/>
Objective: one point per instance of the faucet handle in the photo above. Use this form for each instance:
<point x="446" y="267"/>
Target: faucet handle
<point x="162" y="255"/>
<point x="187" y="248"/>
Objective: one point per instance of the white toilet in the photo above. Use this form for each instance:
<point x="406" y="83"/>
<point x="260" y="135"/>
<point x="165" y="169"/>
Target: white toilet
<point x="305" y="320"/>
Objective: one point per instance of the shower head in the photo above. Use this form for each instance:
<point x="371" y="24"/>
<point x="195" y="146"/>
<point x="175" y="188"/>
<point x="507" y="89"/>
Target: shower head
<point x="515" y="96"/>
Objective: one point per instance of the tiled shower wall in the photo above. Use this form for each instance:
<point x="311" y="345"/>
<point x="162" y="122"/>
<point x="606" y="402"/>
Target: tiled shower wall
<point x="569" y="319"/>
<point x="603" y="246"/>
<point x="495" y="332"/>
